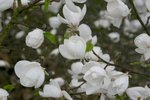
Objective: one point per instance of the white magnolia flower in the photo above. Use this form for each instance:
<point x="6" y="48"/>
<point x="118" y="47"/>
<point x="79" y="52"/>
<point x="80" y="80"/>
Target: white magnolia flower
<point x="72" y="18"/>
<point x="97" y="80"/>
<point x="142" y="41"/>
<point x="54" y="22"/>
<point x="3" y="94"/>
<point x="119" y="85"/>
<point x="72" y="6"/>
<point x="73" y="48"/>
<point x="140" y="93"/>
<point x="55" y="6"/>
<point x="140" y="6"/>
<point x="60" y="81"/>
<point x="5" y="4"/>
<point x="117" y="11"/>
<point x="53" y="90"/>
<point x="147" y="3"/>
<point x="114" y="36"/>
<point x="76" y="69"/>
<point x="85" y="32"/>
<point x="35" y="38"/>
<point x="30" y="73"/>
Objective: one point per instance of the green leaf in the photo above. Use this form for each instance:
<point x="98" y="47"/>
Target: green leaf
<point x="46" y="4"/>
<point x="135" y="63"/>
<point x="120" y="97"/>
<point x="9" y="87"/>
<point x="89" y="46"/>
<point x="52" y="38"/>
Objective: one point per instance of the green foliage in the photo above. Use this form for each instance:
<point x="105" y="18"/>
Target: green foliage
<point x="120" y="97"/>
<point x="89" y="46"/>
<point x="52" y="38"/>
<point x="9" y="87"/>
<point x="46" y="4"/>
<point x="135" y="63"/>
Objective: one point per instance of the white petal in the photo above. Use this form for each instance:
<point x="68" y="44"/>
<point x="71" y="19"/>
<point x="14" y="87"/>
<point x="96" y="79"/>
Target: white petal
<point x="51" y="91"/>
<point x="83" y="12"/>
<point x="71" y="5"/>
<point x="85" y="32"/>
<point x="62" y="19"/>
<point x="66" y="95"/>
<point x="64" y="53"/>
<point x="21" y="67"/>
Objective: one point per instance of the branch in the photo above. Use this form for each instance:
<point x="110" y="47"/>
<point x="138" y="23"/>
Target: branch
<point x="124" y="68"/>
<point x="138" y="17"/>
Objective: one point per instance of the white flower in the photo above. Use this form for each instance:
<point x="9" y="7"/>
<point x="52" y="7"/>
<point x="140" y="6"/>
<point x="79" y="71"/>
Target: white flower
<point x="55" y="6"/>
<point x="73" y="48"/>
<point x="147" y="3"/>
<point x="136" y="93"/>
<point x="119" y="85"/>
<point x="85" y="32"/>
<point x="30" y="73"/>
<point x="53" y="90"/>
<point x="3" y="94"/>
<point x="142" y="41"/>
<point x="72" y="18"/>
<point x="114" y="36"/>
<point x="60" y="81"/>
<point x="35" y="38"/>
<point x="97" y="80"/>
<point x="117" y="10"/>
<point x="5" y="4"/>
<point x="76" y="69"/>
<point x="54" y="22"/>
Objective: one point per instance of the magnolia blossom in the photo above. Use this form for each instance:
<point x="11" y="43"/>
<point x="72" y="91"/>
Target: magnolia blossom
<point x="147" y="3"/>
<point x="53" y="90"/>
<point x="142" y="41"/>
<point x="3" y="94"/>
<point x="86" y="33"/>
<point x="119" y="85"/>
<point x="76" y="69"/>
<point x="35" y="38"/>
<point x="114" y="36"/>
<point x="72" y="18"/>
<point x="30" y="73"/>
<point x="54" y="23"/>
<point x="5" y="4"/>
<point x="55" y="6"/>
<point x="73" y="48"/>
<point x="138" y="93"/>
<point x="97" y="80"/>
<point x="117" y="10"/>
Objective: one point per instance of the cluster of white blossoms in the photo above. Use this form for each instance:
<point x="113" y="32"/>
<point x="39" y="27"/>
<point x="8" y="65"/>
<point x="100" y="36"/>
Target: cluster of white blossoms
<point x="94" y="73"/>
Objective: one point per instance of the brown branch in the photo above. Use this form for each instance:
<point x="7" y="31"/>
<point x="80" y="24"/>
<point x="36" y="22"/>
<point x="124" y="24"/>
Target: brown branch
<point x="119" y="66"/>
<point x="138" y="17"/>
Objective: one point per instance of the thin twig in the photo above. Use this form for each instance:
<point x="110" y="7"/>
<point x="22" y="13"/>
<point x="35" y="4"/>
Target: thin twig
<point x="147" y="22"/>
<point x="124" y="68"/>
<point x="138" y="17"/>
